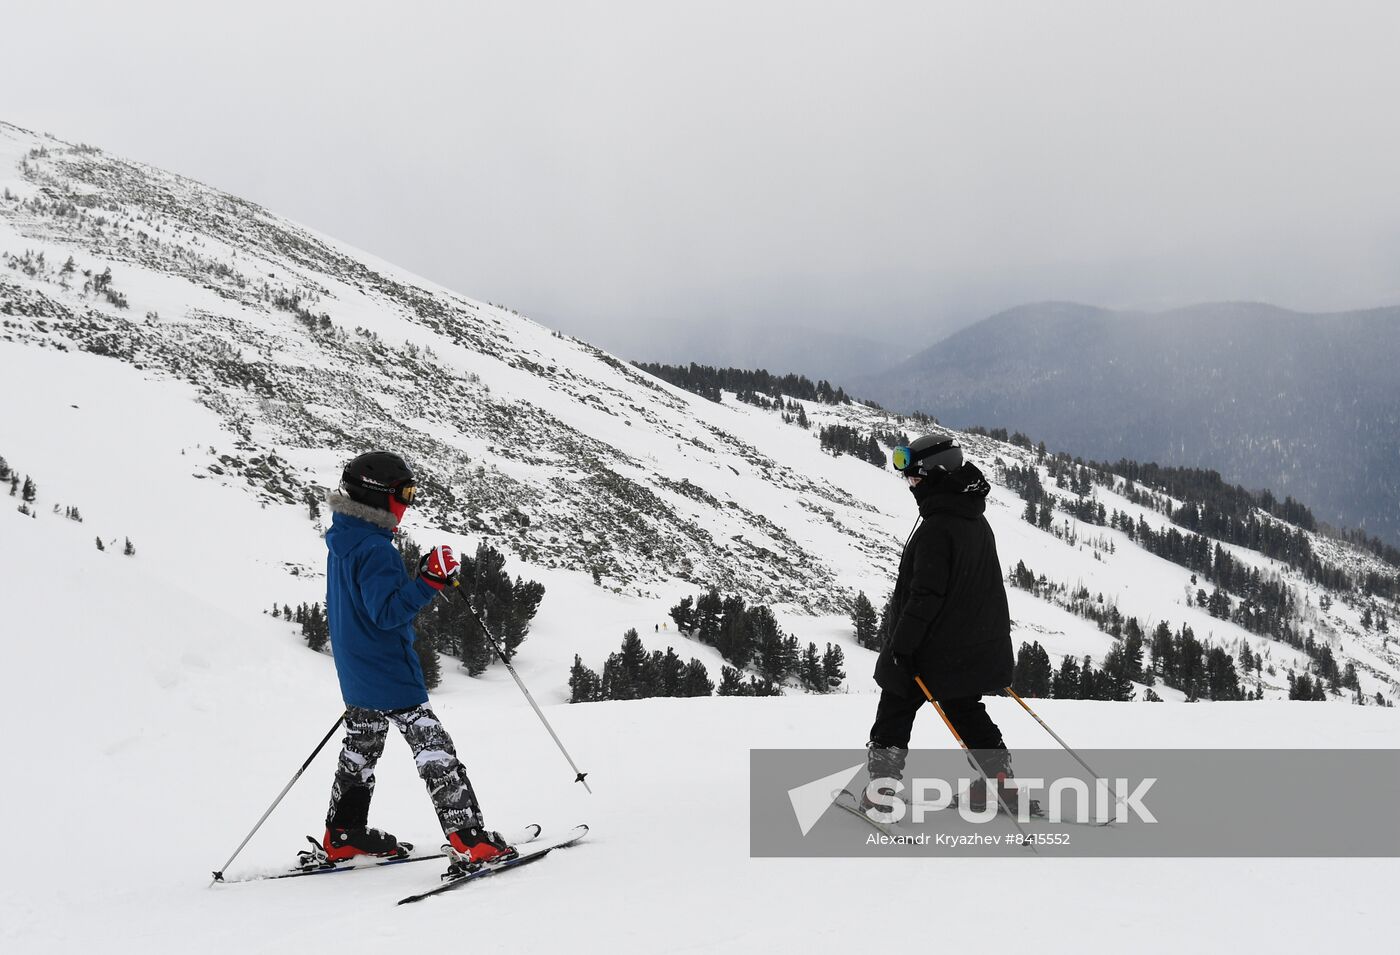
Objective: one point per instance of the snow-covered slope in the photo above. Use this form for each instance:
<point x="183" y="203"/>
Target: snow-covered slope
<point x="152" y="727"/>
<point x="302" y="351"/>
<point x="199" y="417"/>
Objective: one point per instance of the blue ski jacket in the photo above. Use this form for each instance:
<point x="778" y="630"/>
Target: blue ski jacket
<point x="370" y="604"/>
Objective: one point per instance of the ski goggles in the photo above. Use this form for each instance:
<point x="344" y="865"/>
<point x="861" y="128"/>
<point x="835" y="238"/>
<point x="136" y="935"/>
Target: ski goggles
<point x="901" y="457"/>
<point x="403" y="493"/>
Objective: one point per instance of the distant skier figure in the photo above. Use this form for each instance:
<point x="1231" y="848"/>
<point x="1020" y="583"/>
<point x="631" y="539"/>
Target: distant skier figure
<point x="948" y="619"/>
<point x="370" y="603"/>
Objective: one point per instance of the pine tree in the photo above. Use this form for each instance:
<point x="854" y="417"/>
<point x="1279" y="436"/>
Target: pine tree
<point x="810" y="671"/>
<point x="740" y="629"/>
<point x="1350" y="680"/>
<point x="4" y="470"/>
<point x="1116" y="683"/>
<point x="778" y="657"/>
<point x="1090" y="681"/>
<point x="1164" y="654"/>
<point x="100" y="545"/>
<point x="865" y="621"/>
<point x="1023" y="577"/>
<point x="834" y="666"/>
<point x="130" y="549"/>
<point x="1065" y="685"/>
<point x="1222" y="681"/>
<point x="522" y="601"/>
<point x="14" y="484"/>
<point x="1033" y="673"/>
<point x="475" y="652"/>
<point x="29" y="492"/>
<point x="707" y="616"/>
<point x="695" y="681"/>
<point x="314" y="628"/>
<point x="670" y="674"/>
<point x="1297" y="689"/>
<point x="626" y="673"/>
<point x="584" y="685"/>
<point x="730" y="682"/>
<point x="1132" y="652"/>
<point x="428" y="661"/>
<point x="886" y="624"/>
<point x="683" y="614"/>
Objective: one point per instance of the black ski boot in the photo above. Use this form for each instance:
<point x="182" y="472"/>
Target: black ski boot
<point x="882" y="762"/>
<point x="997" y="764"/>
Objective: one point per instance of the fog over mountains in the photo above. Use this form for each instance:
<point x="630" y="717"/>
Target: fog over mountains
<point x="1306" y="405"/>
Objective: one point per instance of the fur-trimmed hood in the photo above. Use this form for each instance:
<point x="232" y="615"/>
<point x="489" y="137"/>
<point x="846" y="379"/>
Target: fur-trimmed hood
<point x="962" y="492"/>
<point x="341" y="503"/>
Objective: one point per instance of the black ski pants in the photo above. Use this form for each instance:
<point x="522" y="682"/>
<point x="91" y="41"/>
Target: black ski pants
<point x="894" y="721"/>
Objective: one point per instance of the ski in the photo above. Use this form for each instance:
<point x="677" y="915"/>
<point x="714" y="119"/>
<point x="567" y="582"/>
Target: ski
<point x="362" y="863"/>
<point x="845" y="799"/>
<point x="480" y="871"/>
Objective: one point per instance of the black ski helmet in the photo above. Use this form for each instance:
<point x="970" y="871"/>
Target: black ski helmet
<point x="931" y="453"/>
<point x="373" y="477"/>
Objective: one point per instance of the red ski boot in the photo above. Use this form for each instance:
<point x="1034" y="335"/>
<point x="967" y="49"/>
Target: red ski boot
<point x="342" y="844"/>
<point x="474" y="844"/>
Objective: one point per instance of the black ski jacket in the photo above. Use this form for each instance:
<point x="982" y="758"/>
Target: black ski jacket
<point x="948" y="615"/>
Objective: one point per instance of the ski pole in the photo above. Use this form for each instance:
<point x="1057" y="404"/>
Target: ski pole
<point x="578" y="774"/>
<point x="1067" y="748"/>
<point x="977" y="764"/>
<point x="219" y="874"/>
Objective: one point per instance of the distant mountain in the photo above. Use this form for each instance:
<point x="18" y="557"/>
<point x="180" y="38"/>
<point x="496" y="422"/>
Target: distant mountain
<point x="1306" y="405"/>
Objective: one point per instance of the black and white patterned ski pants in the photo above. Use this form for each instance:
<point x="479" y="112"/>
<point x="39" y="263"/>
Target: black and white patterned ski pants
<point x="433" y="753"/>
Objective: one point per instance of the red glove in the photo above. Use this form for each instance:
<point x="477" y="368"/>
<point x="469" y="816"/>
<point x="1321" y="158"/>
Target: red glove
<point x="438" y="568"/>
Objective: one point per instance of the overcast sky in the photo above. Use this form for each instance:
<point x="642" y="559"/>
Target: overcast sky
<point x="621" y="169"/>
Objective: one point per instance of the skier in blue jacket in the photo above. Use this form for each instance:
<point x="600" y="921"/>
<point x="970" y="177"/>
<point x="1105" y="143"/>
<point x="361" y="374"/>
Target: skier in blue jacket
<point x="371" y="601"/>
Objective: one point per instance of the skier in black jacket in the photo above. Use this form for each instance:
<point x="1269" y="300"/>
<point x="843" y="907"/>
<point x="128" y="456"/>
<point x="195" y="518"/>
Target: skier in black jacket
<point x="948" y="621"/>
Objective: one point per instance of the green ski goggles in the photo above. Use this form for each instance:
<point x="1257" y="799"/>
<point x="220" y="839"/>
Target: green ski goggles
<point x="901" y="457"/>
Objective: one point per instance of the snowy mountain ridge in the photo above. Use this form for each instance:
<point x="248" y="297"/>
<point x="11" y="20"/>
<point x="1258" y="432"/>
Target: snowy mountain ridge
<point x="298" y="343"/>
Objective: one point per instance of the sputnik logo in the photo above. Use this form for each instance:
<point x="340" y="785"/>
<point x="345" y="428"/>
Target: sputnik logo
<point x="811" y="800"/>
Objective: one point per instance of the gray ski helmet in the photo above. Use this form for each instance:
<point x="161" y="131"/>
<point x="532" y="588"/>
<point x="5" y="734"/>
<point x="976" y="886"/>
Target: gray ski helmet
<point x="933" y="452"/>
